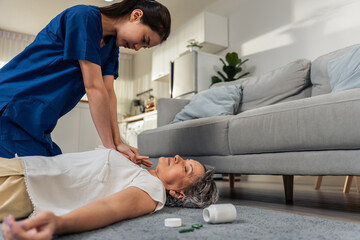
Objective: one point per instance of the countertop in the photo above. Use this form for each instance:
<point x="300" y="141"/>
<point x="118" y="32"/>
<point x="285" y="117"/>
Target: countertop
<point x="138" y="117"/>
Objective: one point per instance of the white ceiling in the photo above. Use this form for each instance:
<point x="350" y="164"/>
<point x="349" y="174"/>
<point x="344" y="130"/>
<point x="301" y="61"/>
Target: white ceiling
<point x="30" y="16"/>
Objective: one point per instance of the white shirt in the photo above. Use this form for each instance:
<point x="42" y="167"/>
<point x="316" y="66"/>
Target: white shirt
<point x="65" y="182"/>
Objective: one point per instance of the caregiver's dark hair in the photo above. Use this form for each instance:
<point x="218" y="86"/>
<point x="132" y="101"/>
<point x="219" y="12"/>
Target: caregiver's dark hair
<point x="201" y="193"/>
<point x="155" y="15"/>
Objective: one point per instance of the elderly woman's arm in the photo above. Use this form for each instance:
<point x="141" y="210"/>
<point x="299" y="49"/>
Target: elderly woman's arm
<point x="128" y="203"/>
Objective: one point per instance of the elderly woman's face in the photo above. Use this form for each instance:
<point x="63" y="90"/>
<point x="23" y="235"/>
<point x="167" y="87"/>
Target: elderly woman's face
<point x="177" y="173"/>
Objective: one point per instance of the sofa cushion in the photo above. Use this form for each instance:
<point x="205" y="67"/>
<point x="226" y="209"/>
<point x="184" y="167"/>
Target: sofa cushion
<point x="282" y="84"/>
<point x="223" y="100"/>
<point x="344" y="71"/>
<point x="319" y="71"/>
<point x="203" y="136"/>
<point x="326" y="122"/>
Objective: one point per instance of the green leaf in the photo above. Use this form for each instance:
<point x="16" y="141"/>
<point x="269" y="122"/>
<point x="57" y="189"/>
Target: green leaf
<point x="222" y="60"/>
<point x="242" y="62"/>
<point x="232" y="58"/>
<point x="238" y="70"/>
<point x="222" y="76"/>
<point x="243" y="75"/>
<point x="230" y="71"/>
<point x="215" y="79"/>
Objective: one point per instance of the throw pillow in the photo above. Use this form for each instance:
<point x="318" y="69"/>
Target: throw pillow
<point x="344" y="71"/>
<point x="223" y="100"/>
<point x="282" y="84"/>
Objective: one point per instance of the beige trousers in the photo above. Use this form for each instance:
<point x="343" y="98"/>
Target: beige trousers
<point x="14" y="198"/>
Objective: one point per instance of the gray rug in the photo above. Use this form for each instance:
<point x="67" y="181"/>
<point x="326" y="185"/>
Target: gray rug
<point x="251" y="223"/>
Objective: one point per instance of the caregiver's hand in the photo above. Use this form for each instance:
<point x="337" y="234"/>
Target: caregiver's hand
<point x="133" y="154"/>
<point x="40" y="227"/>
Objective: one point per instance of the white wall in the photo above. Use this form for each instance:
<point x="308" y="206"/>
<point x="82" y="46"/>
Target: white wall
<point x="272" y="33"/>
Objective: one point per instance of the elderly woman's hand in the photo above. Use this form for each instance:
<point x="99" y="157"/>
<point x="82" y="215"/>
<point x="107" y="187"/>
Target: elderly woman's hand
<point x="40" y="227"/>
<point x="133" y="154"/>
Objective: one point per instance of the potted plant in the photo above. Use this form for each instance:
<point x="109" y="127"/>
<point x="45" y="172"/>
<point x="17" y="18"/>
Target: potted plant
<point x="193" y="45"/>
<point x="231" y="69"/>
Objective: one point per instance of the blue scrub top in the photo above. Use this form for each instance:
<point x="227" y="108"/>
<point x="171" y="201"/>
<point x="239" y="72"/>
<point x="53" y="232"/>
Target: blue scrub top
<point x="44" y="82"/>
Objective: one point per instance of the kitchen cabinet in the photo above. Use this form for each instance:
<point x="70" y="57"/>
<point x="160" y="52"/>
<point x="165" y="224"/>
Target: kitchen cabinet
<point x="76" y="132"/>
<point x="88" y="136"/>
<point x="131" y="127"/>
<point x="160" y="63"/>
<point x="209" y="29"/>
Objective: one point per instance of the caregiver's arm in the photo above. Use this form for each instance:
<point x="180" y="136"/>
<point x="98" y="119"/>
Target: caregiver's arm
<point x="128" y="203"/>
<point x="109" y="85"/>
<point x="130" y="152"/>
<point x="98" y="101"/>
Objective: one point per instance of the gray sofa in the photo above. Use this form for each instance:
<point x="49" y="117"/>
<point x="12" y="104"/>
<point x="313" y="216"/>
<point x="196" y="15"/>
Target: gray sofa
<point x="289" y="123"/>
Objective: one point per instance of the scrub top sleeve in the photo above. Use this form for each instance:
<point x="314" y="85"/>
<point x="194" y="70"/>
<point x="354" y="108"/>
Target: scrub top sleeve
<point x="83" y="33"/>
<point x="111" y="66"/>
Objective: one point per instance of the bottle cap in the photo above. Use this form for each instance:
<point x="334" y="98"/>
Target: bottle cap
<point x="173" y="222"/>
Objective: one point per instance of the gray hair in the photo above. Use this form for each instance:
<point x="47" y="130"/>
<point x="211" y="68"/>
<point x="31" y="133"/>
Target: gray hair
<point x="200" y="194"/>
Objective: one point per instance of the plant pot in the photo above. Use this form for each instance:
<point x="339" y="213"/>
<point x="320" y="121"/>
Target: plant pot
<point x="194" y="49"/>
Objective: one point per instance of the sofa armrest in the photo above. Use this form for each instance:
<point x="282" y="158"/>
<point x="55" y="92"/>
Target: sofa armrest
<point x="168" y="108"/>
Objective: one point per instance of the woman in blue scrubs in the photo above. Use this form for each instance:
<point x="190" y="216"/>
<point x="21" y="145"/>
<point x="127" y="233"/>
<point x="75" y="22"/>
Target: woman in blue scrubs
<point x="76" y="53"/>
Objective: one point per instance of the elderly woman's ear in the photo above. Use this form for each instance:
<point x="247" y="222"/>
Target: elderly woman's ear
<point x="177" y="194"/>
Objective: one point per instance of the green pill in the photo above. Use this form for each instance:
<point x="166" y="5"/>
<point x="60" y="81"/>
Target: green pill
<point x="197" y="226"/>
<point x="186" y="230"/>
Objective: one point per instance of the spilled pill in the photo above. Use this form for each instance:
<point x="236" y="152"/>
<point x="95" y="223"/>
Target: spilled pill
<point x="186" y="230"/>
<point x="197" y="226"/>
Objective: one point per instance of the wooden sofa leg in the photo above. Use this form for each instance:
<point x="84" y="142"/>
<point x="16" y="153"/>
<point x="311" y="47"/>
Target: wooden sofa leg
<point x="232" y="180"/>
<point x="347" y="184"/>
<point x="288" y="181"/>
<point x="318" y="182"/>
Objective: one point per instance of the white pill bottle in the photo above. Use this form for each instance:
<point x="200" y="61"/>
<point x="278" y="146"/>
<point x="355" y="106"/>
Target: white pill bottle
<point x="219" y="213"/>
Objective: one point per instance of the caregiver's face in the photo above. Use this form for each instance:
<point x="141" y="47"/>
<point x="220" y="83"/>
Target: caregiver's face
<point x="133" y="34"/>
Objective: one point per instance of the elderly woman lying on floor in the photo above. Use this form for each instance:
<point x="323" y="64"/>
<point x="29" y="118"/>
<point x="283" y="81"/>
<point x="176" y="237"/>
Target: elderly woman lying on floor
<point x="84" y="191"/>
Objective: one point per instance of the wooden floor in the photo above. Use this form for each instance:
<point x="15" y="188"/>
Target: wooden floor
<point x="328" y="202"/>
